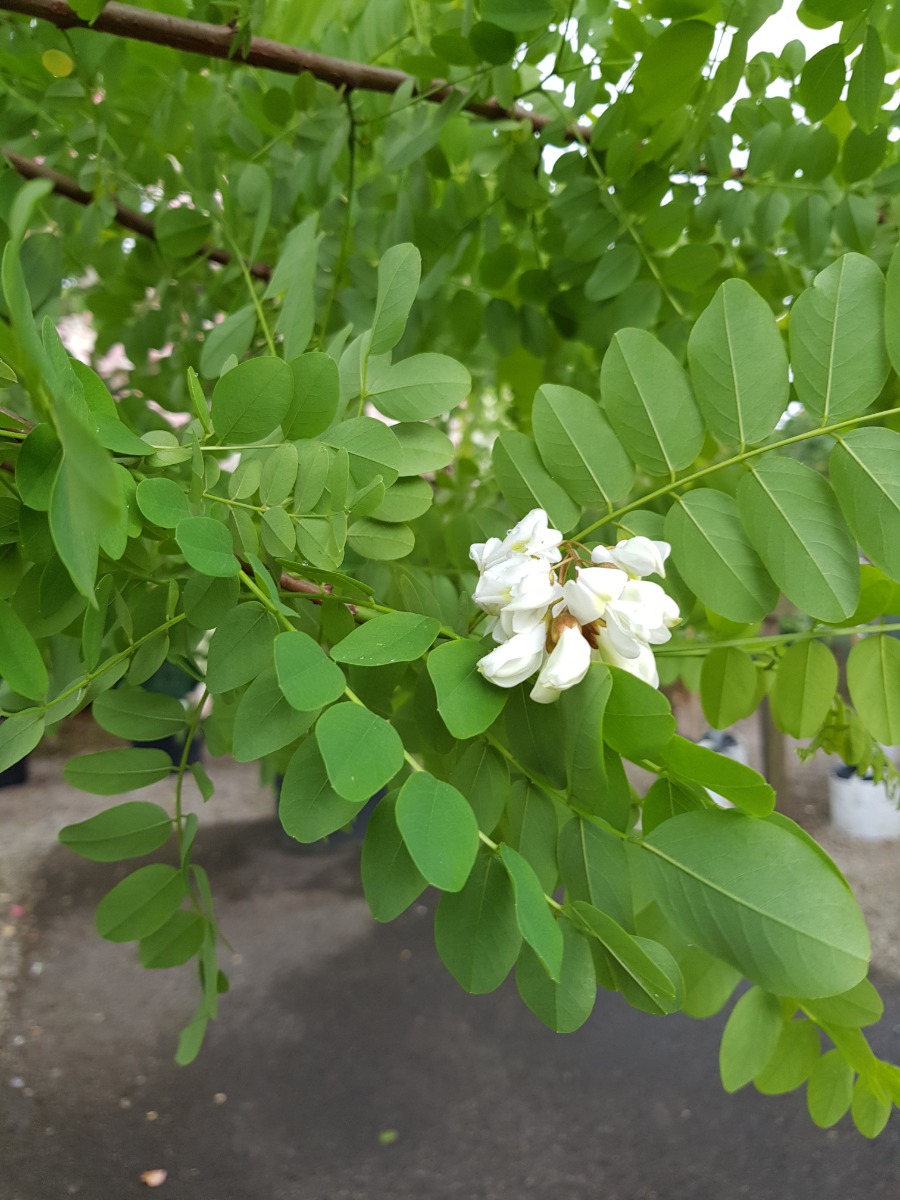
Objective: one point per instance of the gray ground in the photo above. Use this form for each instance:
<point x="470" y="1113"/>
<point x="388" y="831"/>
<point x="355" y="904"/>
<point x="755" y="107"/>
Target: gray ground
<point x="348" y="1065"/>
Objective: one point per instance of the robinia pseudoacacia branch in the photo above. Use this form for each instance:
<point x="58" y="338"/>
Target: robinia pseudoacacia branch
<point x="216" y="41"/>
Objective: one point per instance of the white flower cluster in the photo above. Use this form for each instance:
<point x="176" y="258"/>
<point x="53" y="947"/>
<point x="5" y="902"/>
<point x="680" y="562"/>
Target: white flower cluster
<point x="545" y="621"/>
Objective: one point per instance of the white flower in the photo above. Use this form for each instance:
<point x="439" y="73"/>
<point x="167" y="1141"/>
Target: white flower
<point x="643" y="664"/>
<point x="532" y="536"/>
<point x="519" y="583"/>
<point x="566" y="665"/>
<point x="516" y="659"/>
<point x="587" y="595"/>
<point x="641" y="614"/>
<point x="639" y="556"/>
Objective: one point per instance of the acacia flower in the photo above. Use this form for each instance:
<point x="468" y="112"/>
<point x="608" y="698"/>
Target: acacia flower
<point x="566" y="664"/>
<point x="516" y="659"/>
<point x="638" y="556"/>
<point x="556" y="626"/>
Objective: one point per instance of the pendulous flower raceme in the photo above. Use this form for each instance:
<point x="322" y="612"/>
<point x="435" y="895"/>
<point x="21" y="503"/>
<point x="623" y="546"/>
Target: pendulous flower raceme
<point x="553" y="610"/>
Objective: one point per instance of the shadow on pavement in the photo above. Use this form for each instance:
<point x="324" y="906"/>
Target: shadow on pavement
<point x="347" y="1065"/>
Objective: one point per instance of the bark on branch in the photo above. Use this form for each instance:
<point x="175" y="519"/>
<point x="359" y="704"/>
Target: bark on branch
<point x="200" y="37"/>
<point x="64" y="185"/>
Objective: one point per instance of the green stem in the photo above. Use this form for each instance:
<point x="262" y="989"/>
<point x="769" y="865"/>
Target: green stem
<point x="762" y="642"/>
<point x="348" y="222"/>
<point x="110" y="662"/>
<point x="251" y="289"/>
<point x="317" y="597"/>
<point x="744" y="456"/>
<point x="243" y="446"/>
<point x="252" y="586"/>
<point x="257" y="508"/>
<point x="193" y="726"/>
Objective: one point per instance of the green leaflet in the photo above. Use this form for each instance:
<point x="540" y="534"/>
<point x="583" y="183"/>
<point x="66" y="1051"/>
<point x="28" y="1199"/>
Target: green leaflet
<point x="394" y="637"/>
<point x="536" y="923"/>
<point x="670" y="69"/>
<point x="749" y="1038"/>
<point x="475" y="929"/>
<point x="822" y="81"/>
<point x="793" y="520"/>
<point x="729" y="685"/>
<point x="649" y="403"/>
<point x="829" y="1090"/>
<point x="583" y="711"/>
<point x="249" y="401"/>
<point x="37" y="466"/>
<point x="811" y="940"/>
<point x="739" y="365"/>
<point x="733" y="780"/>
<point x="638" y="720"/>
<point x="265" y="720"/>
<point x="594" y="868"/>
<point x="578" y="447"/>
<point x="240" y="648"/>
<point x="804" y="688"/>
<point x="482" y="775"/>
<point x="468" y="704"/>
<point x="390" y="878"/>
<point x="21" y="664"/>
<point x="399" y="273"/>
<point x="19" y="735"/>
<point x="110" y="772"/>
<point x="531" y="829"/>
<point x="207" y="547"/>
<point x="162" y="502"/>
<point x="864" y="473"/>
<point x="566" y="1005"/>
<point x="174" y="943"/>
<point x="422" y="448"/>
<point x="652" y="980"/>
<point x="873" y="677"/>
<point x="141" y="903"/>
<point x="715" y="557"/>
<point x="361" y="751"/>
<point x="439" y="829"/>
<point x="792" y="1061"/>
<point x="870" y="1111"/>
<point x="233" y="336"/>
<point x="126" y="831"/>
<point x="372" y="446"/>
<point x="426" y="385"/>
<point x="666" y="798"/>
<point x="866" y="82"/>
<point x="380" y="540"/>
<point x="838" y="353"/>
<point x="308" y="806"/>
<point x="315" y="398"/>
<point x="139" y="716"/>
<point x="526" y="483"/>
<point x="306" y="677"/>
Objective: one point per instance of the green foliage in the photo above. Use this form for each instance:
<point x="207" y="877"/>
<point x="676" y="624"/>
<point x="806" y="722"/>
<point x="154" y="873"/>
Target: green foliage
<point x="630" y="327"/>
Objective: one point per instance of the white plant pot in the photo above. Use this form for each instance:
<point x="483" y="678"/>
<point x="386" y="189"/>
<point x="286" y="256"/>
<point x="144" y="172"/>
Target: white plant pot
<point x="862" y="808"/>
<point x="728" y="746"/>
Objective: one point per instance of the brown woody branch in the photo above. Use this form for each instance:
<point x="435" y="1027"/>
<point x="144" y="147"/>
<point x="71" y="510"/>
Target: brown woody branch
<point x="137" y="222"/>
<point x="215" y="41"/>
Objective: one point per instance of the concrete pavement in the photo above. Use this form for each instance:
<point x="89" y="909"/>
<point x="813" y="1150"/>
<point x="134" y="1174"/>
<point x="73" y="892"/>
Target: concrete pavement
<point x="347" y="1065"/>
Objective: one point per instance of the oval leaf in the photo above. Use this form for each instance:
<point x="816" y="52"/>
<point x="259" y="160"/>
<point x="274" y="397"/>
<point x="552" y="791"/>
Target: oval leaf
<point x="439" y="829"/>
<point x="810" y="939"/>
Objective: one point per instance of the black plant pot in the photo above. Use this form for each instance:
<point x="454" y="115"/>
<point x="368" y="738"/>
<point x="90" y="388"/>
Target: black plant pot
<point x="15" y="775"/>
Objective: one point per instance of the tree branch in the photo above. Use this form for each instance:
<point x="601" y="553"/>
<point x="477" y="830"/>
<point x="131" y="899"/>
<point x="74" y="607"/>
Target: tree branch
<point x="215" y="41"/>
<point x="64" y="185"/>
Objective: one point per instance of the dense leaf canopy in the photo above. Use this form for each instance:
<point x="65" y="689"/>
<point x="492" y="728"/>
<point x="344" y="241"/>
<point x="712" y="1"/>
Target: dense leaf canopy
<point x="301" y="301"/>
